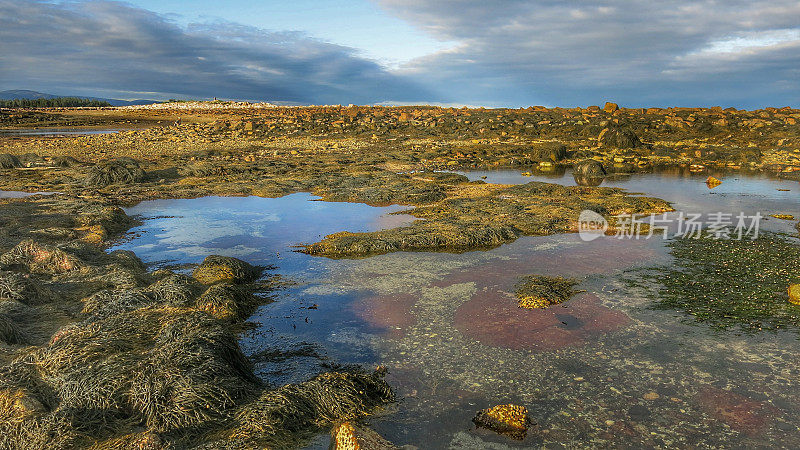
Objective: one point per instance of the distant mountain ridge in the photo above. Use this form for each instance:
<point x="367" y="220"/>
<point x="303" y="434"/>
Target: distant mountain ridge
<point x="15" y="94"/>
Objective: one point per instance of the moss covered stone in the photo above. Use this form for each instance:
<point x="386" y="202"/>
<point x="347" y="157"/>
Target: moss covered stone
<point x="510" y="420"/>
<point x="224" y="269"/>
<point x="534" y="291"/>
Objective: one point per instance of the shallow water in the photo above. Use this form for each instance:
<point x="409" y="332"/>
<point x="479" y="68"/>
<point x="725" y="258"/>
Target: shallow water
<point x="20" y="194"/>
<point x="53" y="132"/>
<point x="603" y="369"/>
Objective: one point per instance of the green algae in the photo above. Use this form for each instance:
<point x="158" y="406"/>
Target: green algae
<point x="731" y="283"/>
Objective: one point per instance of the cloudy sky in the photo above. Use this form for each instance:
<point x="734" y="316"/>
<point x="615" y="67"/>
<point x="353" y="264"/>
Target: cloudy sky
<point x="502" y="53"/>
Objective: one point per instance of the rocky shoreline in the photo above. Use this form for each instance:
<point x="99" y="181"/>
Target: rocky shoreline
<point x="98" y="351"/>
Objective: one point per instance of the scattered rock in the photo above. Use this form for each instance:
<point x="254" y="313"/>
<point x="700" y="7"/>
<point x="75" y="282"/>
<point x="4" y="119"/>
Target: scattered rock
<point x="510" y="420"/>
<point x="610" y="107"/>
<point x="651" y="396"/>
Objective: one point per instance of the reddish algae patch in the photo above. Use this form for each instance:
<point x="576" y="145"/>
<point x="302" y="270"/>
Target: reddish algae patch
<point x="493" y="318"/>
<point x="391" y="313"/>
<point x="742" y="414"/>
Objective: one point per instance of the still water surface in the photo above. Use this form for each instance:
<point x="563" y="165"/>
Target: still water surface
<point x="603" y="369"/>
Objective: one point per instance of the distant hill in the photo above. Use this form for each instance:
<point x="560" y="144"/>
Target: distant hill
<point x="32" y="95"/>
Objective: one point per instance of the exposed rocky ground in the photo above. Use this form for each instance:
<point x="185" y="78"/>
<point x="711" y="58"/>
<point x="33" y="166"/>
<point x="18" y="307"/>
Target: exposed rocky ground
<point x="96" y="350"/>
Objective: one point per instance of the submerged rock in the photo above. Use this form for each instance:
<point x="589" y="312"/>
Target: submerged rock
<point x="492" y="320"/>
<point x="742" y="414"/>
<point x="510" y="420"/>
<point x="794" y="294"/>
<point x="535" y="291"/>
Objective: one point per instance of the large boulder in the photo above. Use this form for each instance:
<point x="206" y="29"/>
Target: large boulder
<point x="589" y="168"/>
<point x="617" y="136"/>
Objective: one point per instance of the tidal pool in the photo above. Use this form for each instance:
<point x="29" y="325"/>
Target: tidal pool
<point x="53" y="132"/>
<point x="603" y="369"/>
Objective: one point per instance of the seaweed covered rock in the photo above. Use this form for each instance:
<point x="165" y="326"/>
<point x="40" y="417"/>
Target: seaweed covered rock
<point x="225" y="269"/>
<point x="15" y="286"/>
<point x="202" y="169"/>
<point x="115" y="171"/>
<point x="142" y="440"/>
<point x="352" y="436"/>
<point x="10" y="333"/>
<point x="176" y="290"/>
<point x="64" y="161"/>
<point x="165" y="367"/>
<point x="38" y="258"/>
<point x="323" y="400"/>
<point x="111" y="219"/>
<point x="535" y="291"/>
<point x="9" y="161"/>
<point x="794" y="294"/>
<point x="510" y="420"/>
<point x="225" y="301"/>
<point x="618" y="136"/>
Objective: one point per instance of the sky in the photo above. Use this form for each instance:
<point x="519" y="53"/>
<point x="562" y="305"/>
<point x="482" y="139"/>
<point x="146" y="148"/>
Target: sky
<point x="505" y="53"/>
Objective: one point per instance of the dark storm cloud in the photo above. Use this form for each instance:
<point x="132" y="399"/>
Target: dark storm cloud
<point x="684" y="52"/>
<point x="112" y="48"/>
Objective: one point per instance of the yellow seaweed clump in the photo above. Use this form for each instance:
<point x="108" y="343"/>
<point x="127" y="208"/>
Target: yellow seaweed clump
<point x="794" y="294"/>
<point x="511" y="420"/>
<point x="712" y="182"/>
<point x="349" y="436"/>
<point x="535" y="291"/>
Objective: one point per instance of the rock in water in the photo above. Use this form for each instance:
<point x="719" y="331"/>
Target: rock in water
<point x="349" y="436"/>
<point x="712" y="182"/>
<point x="225" y="269"/>
<point x="589" y="168"/>
<point x="510" y="420"/>
<point x="540" y="291"/>
<point x="794" y="294"/>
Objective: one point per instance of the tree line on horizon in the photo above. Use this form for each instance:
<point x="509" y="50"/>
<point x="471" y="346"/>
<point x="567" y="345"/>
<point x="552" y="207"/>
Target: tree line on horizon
<point x="60" y="102"/>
